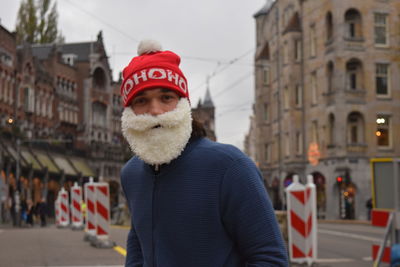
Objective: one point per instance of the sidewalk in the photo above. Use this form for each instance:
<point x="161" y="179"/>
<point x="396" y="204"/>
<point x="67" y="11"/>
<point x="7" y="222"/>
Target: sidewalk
<point x="50" y="246"/>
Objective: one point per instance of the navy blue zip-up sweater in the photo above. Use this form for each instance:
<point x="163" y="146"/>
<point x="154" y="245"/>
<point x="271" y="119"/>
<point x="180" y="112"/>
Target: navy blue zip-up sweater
<point x="207" y="208"/>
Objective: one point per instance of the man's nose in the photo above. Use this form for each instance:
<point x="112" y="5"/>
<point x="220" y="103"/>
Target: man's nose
<point x="155" y="108"/>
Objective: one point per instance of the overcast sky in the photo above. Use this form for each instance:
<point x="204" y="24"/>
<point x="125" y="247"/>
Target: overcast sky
<point x="213" y="37"/>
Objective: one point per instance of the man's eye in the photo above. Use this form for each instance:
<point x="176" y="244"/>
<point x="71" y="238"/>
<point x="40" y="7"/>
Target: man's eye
<point x="167" y="97"/>
<point x="139" y="101"/>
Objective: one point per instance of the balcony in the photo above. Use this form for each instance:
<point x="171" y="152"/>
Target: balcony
<point x="357" y="148"/>
<point x="355" y="96"/>
<point x="354" y="43"/>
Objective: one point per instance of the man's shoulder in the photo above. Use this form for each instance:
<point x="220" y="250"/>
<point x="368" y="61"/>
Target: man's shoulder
<point x="218" y="150"/>
<point x="133" y="164"/>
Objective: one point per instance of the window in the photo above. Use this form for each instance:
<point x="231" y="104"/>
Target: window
<point x="38" y="104"/>
<point x="329" y="76"/>
<point x="298" y="95"/>
<point x="75" y="117"/>
<point x="314" y="89"/>
<point x="383" y="130"/>
<point x="287" y="145"/>
<point x="69" y="59"/>
<point x="274" y="108"/>
<point x="380" y="28"/>
<point x="29" y="97"/>
<point x="313" y="41"/>
<point x="297" y="50"/>
<point x="99" y="79"/>
<point x="355" y="128"/>
<point x="44" y="106"/>
<point x="61" y="113"/>
<point x="353" y="23"/>
<point x="353" y="134"/>
<point x="266" y="113"/>
<point x="329" y="26"/>
<point x="286" y="98"/>
<point x="99" y="115"/>
<point x="267" y="148"/>
<point x="285" y="53"/>
<point x="6" y="89"/>
<point x="382" y="79"/>
<point x="10" y="91"/>
<point x="314" y="132"/>
<point x="354" y="75"/>
<point x="266" y="76"/>
<point x="331" y="130"/>
<point x="299" y="143"/>
<point x="50" y="108"/>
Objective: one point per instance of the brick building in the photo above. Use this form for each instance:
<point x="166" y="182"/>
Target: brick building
<point x="326" y="97"/>
<point x="60" y="118"/>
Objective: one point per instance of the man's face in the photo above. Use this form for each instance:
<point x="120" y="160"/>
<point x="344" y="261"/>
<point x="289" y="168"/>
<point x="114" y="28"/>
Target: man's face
<point x="157" y="125"/>
<point x="154" y="101"/>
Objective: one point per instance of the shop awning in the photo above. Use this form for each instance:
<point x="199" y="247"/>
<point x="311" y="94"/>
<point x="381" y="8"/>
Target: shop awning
<point x="13" y="153"/>
<point x="63" y="164"/>
<point x="46" y="162"/>
<point x="82" y="167"/>
<point x="30" y="159"/>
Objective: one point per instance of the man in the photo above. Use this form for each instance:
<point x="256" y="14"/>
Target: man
<point x="193" y="202"/>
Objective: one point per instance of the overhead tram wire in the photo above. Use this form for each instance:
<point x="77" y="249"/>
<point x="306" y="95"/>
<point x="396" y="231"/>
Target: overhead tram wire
<point x="232" y="85"/>
<point x="217" y="72"/>
<point x="213" y="74"/>
<point x="102" y="21"/>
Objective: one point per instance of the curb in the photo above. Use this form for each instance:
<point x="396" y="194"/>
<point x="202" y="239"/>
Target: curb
<point x="345" y="222"/>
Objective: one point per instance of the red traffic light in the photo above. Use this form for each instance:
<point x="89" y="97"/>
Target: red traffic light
<point x="339" y="179"/>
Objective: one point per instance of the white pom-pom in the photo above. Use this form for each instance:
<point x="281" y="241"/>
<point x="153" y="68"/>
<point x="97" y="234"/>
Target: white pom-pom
<point x="148" y="46"/>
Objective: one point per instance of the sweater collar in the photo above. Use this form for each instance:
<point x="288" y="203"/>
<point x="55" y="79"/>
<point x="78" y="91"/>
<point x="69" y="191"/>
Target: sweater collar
<point x="192" y="143"/>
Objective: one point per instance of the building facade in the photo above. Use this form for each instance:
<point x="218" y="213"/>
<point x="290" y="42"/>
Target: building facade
<point x="327" y="97"/>
<point x="59" y="120"/>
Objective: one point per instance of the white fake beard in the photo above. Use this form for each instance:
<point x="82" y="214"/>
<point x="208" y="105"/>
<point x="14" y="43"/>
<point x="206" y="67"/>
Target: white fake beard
<point x="162" y="144"/>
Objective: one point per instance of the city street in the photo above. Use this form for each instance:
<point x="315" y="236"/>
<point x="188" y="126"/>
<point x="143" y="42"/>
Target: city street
<point x="346" y="244"/>
<point x="340" y="244"/>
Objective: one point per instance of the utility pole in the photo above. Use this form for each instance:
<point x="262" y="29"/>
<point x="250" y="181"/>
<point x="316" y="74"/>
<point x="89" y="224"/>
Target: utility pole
<point x="18" y="190"/>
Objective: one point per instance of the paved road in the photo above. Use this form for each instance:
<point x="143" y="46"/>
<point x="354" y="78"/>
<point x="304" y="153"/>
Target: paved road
<point x="340" y="245"/>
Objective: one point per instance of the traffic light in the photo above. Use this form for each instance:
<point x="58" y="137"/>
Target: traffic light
<point x="339" y="180"/>
<point x="347" y="178"/>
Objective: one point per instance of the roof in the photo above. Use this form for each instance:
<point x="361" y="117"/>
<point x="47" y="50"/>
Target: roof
<point x="82" y="50"/>
<point x="264" y="10"/>
<point x="208" y="103"/>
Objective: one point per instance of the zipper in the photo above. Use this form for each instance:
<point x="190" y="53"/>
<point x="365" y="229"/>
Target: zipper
<point x="155" y="182"/>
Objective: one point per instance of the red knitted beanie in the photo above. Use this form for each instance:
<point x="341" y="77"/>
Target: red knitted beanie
<point x="153" y="68"/>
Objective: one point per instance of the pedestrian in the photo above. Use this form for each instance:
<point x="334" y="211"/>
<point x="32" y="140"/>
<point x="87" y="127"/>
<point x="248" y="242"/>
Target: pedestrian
<point x="30" y="212"/>
<point x="369" y="206"/>
<point x="42" y="212"/>
<point x="193" y="202"/>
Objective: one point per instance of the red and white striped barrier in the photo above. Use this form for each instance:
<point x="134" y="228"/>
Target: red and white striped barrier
<point x="380" y="218"/>
<point x="302" y="223"/>
<point x="57" y="209"/>
<point x="312" y="207"/>
<point x="90" y="210"/>
<point x="64" y="208"/>
<point x="76" y="208"/>
<point x="102" y="196"/>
